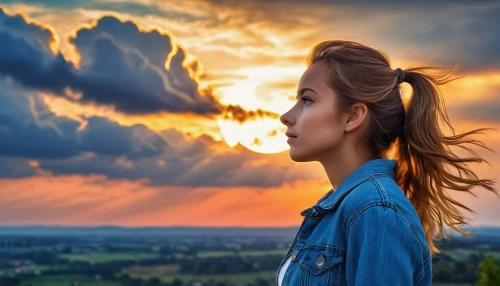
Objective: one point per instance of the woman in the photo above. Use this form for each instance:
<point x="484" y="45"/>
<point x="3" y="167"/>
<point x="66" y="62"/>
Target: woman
<point x="378" y="224"/>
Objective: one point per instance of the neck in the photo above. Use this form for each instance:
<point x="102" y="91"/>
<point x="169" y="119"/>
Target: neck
<point x="340" y="165"/>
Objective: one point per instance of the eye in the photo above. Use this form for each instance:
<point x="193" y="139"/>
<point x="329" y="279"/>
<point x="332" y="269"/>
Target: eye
<point x="306" y="100"/>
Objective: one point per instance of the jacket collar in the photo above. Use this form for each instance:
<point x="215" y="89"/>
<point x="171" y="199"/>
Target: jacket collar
<point x="370" y="169"/>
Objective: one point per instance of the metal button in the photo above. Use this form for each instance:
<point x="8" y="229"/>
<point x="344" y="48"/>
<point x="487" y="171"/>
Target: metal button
<point x="293" y="257"/>
<point x="320" y="262"/>
<point x="314" y="212"/>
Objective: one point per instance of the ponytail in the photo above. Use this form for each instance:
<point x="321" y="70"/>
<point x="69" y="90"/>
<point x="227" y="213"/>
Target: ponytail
<point x="425" y="160"/>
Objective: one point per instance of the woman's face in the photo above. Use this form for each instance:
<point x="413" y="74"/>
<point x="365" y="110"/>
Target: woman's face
<point x="315" y="123"/>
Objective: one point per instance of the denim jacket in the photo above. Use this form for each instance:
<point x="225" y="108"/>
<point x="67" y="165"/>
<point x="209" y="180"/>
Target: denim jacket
<point x="364" y="233"/>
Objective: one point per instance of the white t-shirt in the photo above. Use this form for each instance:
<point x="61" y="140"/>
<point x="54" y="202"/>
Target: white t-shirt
<point x="283" y="270"/>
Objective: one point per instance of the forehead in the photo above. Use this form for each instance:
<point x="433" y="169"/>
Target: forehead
<point x="315" y="75"/>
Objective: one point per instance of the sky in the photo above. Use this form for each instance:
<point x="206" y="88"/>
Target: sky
<point x="166" y="113"/>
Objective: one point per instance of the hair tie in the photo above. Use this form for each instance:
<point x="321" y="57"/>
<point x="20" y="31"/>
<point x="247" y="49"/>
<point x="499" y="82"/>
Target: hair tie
<point x="401" y="75"/>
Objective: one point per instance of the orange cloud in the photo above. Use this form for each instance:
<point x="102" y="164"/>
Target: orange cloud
<point x="95" y="200"/>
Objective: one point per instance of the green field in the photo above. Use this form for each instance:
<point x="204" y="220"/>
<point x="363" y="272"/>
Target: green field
<point x="153" y="270"/>
<point x="450" y="284"/>
<point x="239" y="278"/>
<point x="42" y="267"/>
<point x="169" y="272"/>
<point x="463" y="254"/>
<point x="205" y="254"/>
<point x="65" y="281"/>
<point x="106" y="257"/>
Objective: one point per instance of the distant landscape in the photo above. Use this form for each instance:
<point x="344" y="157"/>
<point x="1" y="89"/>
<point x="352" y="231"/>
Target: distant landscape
<point x="113" y="256"/>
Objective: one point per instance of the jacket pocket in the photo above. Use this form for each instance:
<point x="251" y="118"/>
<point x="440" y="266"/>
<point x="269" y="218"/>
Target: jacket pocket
<point x="321" y="266"/>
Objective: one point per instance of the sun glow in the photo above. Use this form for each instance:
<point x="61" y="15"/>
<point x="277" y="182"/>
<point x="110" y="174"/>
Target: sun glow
<point x="262" y="134"/>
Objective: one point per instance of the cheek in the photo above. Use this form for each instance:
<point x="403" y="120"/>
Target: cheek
<point x="322" y="130"/>
<point x="318" y="134"/>
<point x="322" y="123"/>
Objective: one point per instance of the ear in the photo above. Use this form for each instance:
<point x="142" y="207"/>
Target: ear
<point x="356" y="116"/>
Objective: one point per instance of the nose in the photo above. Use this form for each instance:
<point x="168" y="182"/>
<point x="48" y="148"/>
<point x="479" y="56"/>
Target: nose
<point x="287" y="119"/>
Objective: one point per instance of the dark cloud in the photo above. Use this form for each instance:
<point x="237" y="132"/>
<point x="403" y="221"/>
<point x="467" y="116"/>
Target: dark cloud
<point x="236" y="113"/>
<point x="488" y="109"/>
<point x="33" y="66"/>
<point x="130" y="64"/>
<point x="121" y="66"/>
<point x="36" y="35"/>
<point x="27" y="131"/>
<point x="198" y="167"/>
<point x="12" y="167"/>
<point x="106" y="137"/>
<point x="30" y="131"/>
<point x="455" y="34"/>
<point x="153" y="46"/>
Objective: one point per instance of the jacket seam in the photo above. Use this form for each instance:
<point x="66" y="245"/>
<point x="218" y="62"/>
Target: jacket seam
<point x="378" y="175"/>
<point x="422" y="244"/>
<point x="381" y="190"/>
<point x="356" y="214"/>
<point x="424" y="262"/>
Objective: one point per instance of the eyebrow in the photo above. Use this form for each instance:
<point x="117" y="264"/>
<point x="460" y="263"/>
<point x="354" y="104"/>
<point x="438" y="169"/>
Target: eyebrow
<point x="303" y="90"/>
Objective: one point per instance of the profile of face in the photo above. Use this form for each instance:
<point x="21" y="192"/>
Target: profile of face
<point x="315" y="124"/>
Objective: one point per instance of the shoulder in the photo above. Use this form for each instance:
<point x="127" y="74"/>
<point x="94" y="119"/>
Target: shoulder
<point x="380" y="234"/>
<point x="370" y="192"/>
<point x="379" y="203"/>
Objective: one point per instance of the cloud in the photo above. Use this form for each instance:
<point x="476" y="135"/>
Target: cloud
<point x="128" y="7"/>
<point x="486" y="110"/>
<point x="121" y="65"/>
<point x="63" y="146"/>
<point x="237" y="113"/>
<point x="132" y="203"/>
<point x="191" y="163"/>
<point x="34" y="33"/>
<point x="29" y="130"/>
<point x="51" y="3"/>
<point x="12" y="167"/>
<point x="106" y="137"/>
<point x="134" y="70"/>
<point x="130" y="64"/>
<point x="446" y="33"/>
<point x="129" y="203"/>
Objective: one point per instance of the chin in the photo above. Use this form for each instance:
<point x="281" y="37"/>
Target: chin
<point x="298" y="157"/>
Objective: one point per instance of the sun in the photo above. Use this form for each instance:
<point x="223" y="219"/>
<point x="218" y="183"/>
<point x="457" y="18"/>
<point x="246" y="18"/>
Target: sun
<point x="263" y="135"/>
<point x="261" y="89"/>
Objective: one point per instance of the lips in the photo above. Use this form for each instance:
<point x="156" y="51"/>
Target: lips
<point x="290" y="135"/>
